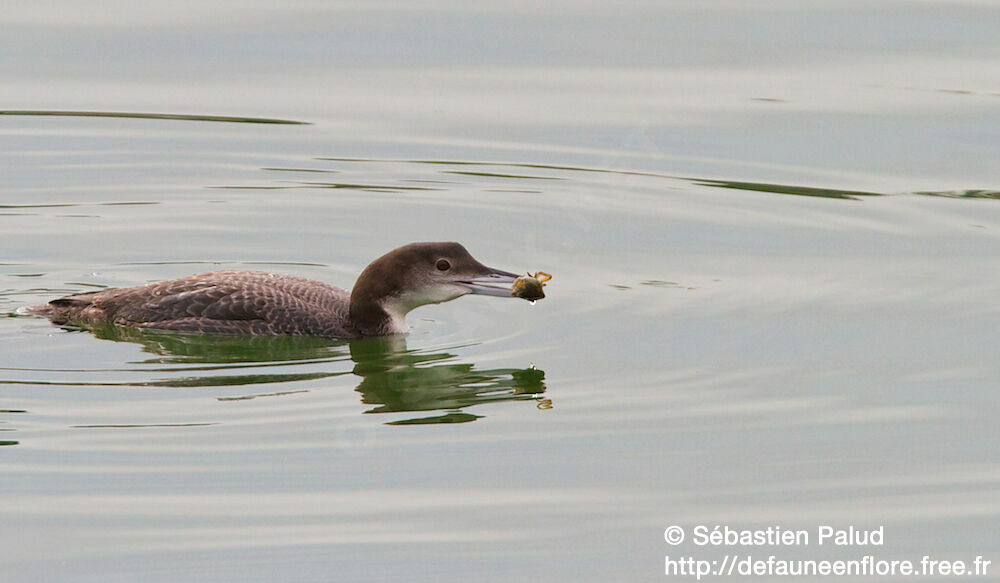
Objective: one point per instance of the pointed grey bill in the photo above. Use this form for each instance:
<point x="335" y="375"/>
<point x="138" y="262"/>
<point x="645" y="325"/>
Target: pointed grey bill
<point x="495" y="283"/>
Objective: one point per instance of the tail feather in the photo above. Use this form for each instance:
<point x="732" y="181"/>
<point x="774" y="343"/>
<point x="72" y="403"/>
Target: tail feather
<point x="60" y="309"/>
<point x="74" y="301"/>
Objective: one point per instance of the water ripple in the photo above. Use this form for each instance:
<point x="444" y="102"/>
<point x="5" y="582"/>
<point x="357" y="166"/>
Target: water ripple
<point x="504" y="177"/>
<point x="167" y="116"/>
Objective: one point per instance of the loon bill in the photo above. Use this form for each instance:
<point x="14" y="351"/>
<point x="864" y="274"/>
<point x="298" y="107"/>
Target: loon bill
<point x="267" y="304"/>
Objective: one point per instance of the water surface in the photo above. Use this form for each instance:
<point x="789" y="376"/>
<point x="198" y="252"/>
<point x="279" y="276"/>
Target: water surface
<point x="773" y="231"/>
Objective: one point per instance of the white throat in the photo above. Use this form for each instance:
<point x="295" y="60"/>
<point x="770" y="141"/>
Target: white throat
<point x="397" y="317"/>
<point x="399" y="306"/>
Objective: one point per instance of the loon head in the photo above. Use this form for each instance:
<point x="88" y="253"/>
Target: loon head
<point x="415" y="275"/>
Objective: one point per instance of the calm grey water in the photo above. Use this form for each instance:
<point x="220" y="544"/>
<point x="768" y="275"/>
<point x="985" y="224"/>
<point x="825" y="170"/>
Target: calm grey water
<point x="774" y="236"/>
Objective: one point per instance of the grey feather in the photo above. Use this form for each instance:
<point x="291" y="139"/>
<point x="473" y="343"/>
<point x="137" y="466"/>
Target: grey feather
<point x="221" y="302"/>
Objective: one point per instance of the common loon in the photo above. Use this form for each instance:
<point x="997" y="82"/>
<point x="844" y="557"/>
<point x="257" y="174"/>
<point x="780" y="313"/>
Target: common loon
<point x="266" y="304"/>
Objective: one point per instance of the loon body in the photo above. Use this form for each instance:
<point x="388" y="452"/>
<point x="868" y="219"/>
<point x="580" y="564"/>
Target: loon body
<point x="267" y="304"/>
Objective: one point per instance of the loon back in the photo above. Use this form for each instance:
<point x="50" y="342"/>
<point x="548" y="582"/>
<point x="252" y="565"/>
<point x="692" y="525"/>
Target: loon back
<point x="218" y="302"/>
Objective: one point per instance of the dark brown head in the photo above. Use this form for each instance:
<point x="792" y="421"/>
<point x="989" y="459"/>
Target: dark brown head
<point x="418" y="274"/>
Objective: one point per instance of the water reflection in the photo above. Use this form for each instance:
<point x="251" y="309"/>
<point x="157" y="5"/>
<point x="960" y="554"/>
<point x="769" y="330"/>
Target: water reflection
<point x="567" y="173"/>
<point x="137" y="115"/>
<point x="170" y="348"/>
<point x="784" y="189"/>
<point x="393" y="378"/>
<point x="3" y="413"/>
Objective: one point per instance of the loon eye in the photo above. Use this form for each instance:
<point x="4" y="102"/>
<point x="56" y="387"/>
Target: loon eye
<point x="443" y="265"/>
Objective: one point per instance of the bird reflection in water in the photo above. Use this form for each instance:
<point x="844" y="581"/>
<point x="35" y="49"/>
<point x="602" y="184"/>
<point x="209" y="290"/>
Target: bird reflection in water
<point x="394" y="379"/>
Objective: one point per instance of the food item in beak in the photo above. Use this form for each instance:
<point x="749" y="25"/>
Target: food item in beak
<point x="529" y="287"/>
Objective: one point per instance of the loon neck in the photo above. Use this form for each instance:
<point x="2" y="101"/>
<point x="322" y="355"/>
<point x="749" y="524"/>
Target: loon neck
<point x="372" y="317"/>
<point x="371" y="310"/>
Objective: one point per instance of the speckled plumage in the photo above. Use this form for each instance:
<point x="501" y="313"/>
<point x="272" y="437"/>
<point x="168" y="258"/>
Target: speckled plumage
<point x="218" y="302"/>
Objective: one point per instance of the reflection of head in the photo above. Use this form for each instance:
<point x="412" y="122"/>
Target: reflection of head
<point x="396" y="380"/>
